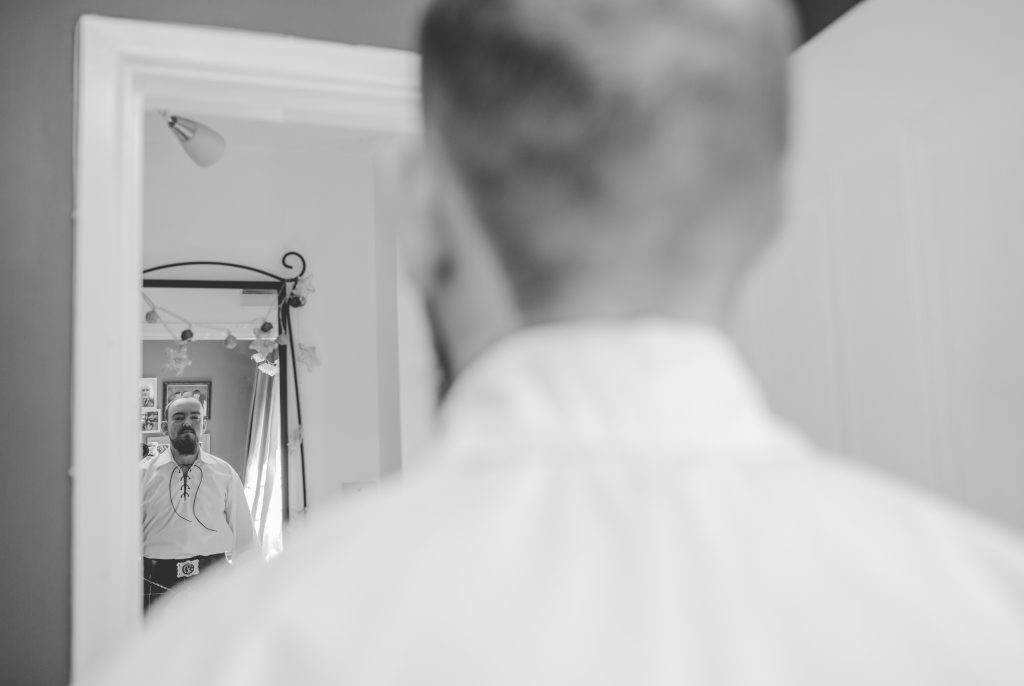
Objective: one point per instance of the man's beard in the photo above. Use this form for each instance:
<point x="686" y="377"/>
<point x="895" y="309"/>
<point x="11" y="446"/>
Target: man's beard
<point x="185" y="443"/>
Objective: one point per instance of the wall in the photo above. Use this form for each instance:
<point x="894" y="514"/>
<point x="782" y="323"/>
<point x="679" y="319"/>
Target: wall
<point x="416" y="371"/>
<point x="36" y="124"/>
<point x="232" y="374"/>
<point x="888" y="321"/>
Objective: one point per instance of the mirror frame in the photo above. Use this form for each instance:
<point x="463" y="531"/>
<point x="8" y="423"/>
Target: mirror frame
<point x="123" y="68"/>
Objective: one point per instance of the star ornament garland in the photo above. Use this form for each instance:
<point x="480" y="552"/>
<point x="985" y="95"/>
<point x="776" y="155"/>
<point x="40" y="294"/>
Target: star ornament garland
<point x="266" y="351"/>
<point x="302" y="289"/>
<point x="265" y="343"/>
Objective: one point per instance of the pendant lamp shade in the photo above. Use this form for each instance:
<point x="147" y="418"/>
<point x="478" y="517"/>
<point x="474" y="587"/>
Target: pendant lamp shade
<point x="204" y="145"/>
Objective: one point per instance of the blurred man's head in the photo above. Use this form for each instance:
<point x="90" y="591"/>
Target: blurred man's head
<point x="604" y="158"/>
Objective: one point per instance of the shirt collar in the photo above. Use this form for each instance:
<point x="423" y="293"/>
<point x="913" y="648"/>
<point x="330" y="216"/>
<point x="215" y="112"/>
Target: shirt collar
<point x="166" y="458"/>
<point x="646" y="381"/>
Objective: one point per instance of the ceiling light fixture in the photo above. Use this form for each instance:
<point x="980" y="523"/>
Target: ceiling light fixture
<point x="204" y="145"/>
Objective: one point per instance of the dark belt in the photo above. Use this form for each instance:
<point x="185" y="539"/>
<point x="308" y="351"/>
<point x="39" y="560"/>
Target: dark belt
<point x="175" y="570"/>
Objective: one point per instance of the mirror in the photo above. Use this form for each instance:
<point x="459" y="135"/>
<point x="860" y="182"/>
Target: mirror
<point x="312" y="189"/>
<point x="201" y="336"/>
<point x="227" y="346"/>
<point x="302" y="189"/>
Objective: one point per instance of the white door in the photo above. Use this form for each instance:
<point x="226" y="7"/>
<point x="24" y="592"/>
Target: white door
<point x="889" y="322"/>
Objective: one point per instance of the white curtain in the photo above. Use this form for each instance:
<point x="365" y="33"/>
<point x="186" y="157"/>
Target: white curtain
<point x="263" y="464"/>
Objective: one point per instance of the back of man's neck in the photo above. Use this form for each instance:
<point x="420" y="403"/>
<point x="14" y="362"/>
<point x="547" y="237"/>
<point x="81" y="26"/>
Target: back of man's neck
<point x="708" y="307"/>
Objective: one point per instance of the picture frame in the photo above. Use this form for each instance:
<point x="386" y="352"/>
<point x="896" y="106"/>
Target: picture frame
<point x="160" y="443"/>
<point x="147" y="392"/>
<point x="149" y="419"/>
<point x="175" y="389"/>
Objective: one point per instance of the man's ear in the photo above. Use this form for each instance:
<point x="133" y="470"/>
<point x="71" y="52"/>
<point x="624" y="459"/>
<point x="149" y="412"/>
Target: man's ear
<point x="163" y="427"/>
<point x="421" y="233"/>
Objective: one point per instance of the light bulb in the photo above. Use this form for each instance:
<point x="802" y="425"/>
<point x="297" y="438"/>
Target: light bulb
<point x="204" y="145"/>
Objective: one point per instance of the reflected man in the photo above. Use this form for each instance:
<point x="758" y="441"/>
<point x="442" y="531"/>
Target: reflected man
<point x="194" y="511"/>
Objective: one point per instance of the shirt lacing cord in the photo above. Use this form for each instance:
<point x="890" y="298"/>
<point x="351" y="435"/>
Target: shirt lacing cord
<point x="185" y="473"/>
<point x="184" y="482"/>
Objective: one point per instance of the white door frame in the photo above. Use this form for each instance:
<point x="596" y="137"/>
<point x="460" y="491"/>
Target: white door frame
<point x="125" y="67"/>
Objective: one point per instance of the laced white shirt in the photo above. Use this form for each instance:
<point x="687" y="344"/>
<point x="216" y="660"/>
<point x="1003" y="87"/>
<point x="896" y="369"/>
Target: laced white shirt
<point x="613" y="503"/>
<point x="201" y="511"/>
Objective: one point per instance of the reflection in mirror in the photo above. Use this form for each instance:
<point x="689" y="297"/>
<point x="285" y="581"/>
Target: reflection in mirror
<point x="301" y="120"/>
<point x="330" y="190"/>
<point x="213" y="421"/>
<point x="315" y="188"/>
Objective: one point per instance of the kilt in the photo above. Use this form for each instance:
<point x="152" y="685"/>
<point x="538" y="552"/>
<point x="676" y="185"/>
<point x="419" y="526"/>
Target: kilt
<point x="160" y="576"/>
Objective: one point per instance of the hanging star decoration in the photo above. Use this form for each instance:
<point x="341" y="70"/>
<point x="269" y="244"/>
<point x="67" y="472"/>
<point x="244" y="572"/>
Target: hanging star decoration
<point x="295" y="438"/>
<point x="266" y="342"/>
<point x="302" y="289"/>
<point x="263" y="342"/>
<point x="177" y="356"/>
<point x="307" y="356"/>
<point x="177" y="359"/>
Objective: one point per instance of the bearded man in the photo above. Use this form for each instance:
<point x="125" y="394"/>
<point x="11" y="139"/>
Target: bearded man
<point x="194" y="511"/>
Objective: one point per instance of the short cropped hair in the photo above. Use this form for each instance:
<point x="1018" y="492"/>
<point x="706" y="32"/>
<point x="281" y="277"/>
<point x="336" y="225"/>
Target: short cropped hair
<point x="553" y="111"/>
<point x="167" y="406"/>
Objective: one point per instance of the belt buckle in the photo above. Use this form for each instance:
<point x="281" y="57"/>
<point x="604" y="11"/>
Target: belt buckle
<point x="187" y="568"/>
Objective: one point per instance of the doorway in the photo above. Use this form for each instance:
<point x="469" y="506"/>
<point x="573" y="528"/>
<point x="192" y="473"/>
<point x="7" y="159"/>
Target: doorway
<point x="127" y="69"/>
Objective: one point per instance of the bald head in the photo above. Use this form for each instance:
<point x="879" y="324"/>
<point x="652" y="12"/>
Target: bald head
<point x="600" y="140"/>
<point x="184" y="406"/>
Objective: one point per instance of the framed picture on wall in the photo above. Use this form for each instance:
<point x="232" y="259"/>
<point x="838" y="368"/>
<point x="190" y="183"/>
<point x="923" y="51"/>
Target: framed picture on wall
<point x="149" y="419"/>
<point x="200" y="390"/>
<point x="159" y="443"/>
<point x="147" y="392"/>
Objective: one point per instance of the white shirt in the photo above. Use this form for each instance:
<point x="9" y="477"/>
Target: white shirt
<point x="613" y="503"/>
<point x="201" y="511"/>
